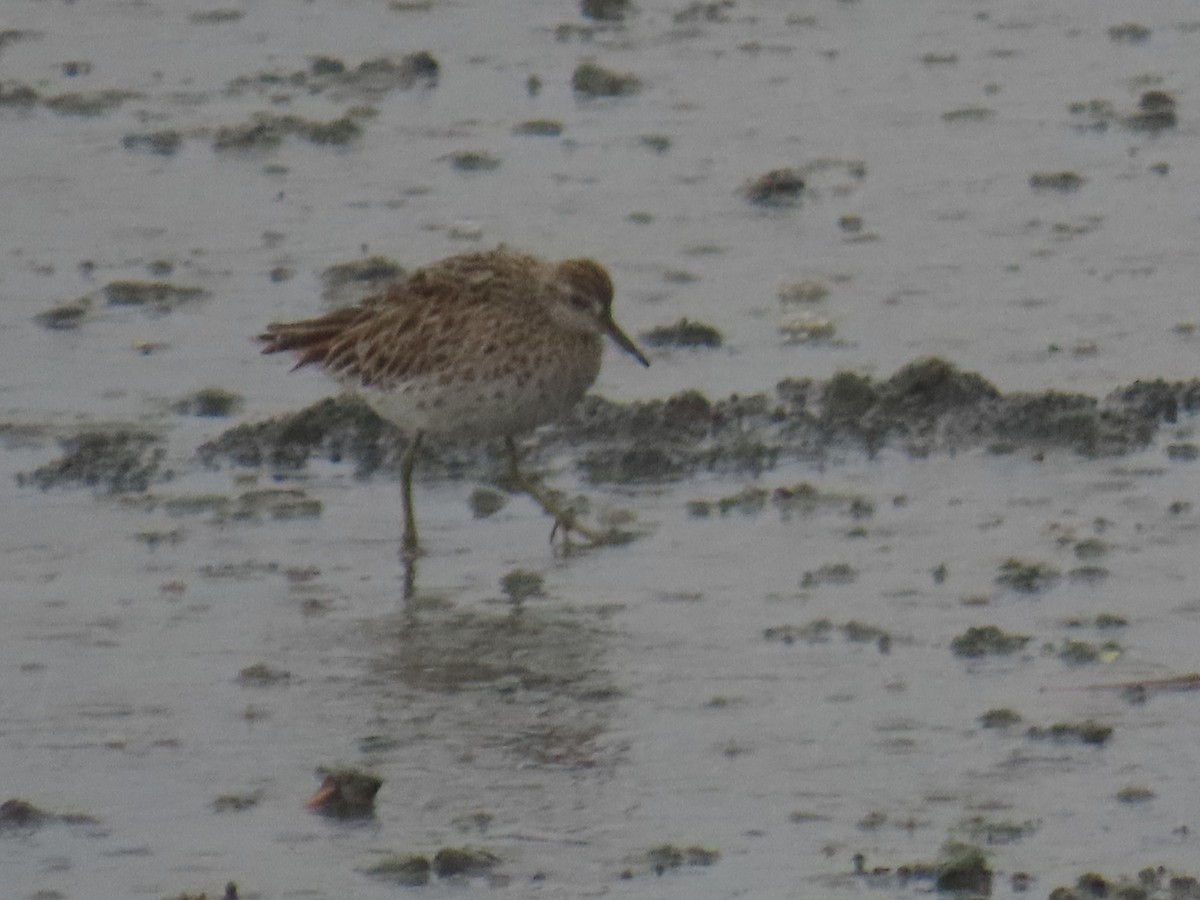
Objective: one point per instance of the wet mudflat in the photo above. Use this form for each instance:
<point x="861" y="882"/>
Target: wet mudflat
<point x="911" y="474"/>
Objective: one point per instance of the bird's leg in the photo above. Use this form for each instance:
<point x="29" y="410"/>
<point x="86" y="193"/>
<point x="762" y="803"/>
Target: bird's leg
<point x="409" y="547"/>
<point x="564" y="517"/>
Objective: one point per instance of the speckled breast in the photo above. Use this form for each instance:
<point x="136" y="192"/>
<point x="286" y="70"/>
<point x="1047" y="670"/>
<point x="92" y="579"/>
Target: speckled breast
<point x="478" y="403"/>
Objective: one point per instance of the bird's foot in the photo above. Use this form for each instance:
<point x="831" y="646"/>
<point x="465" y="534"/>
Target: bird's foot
<point x="554" y="504"/>
<point x="567" y="520"/>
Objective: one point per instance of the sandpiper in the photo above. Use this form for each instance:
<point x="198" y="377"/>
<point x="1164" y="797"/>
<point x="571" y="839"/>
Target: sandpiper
<point x="488" y="344"/>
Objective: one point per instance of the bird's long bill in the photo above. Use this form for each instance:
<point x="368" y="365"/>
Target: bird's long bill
<point x="625" y="342"/>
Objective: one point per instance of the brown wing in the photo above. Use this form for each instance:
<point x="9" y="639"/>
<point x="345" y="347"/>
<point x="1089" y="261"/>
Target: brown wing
<point x="459" y="305"/>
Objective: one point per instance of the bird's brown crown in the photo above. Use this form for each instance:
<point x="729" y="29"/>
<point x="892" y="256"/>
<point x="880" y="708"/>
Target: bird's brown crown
<point x="588" y="286"/>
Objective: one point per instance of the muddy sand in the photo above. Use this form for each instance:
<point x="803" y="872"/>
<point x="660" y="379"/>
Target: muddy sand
<point x="908" y="592"/>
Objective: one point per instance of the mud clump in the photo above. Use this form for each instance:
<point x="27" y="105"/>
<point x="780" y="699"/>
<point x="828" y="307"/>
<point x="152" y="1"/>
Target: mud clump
<point x="668" y="858"/>
<point x="215" y="16"/>
<point x="371" y="78"/>
<point x="352" y="281"/>
<point x="1156" y="111"/>
<point x="963" y="869"/>
<point x="474" y="161"/>
<point x="415" y="869"/>
<point x="987" y="640"/>
<point x="211" y="402"/>
<point x="262" y="675"/>
<point x="1081" y="653"/>
<point x="1055" y="418"/>
<point x="1091" y="574"/>
<point x="1000" y="717"/>
<point x="593" y="80"/>
<point x="829" y="573"/>
<point x="231" y="893"/>
<point x="66" y="316"/>
<point x="927" y="406"/>
<point x="932" y="386"/>
<point x="652" y="443"/>
<point x="280" y="504"/>
<point x="18" y="95"/>
<point x="334" y="428"/>
<point x="1065" y="182"/>
<point x="932" y="400"/>
<point x="605" y="10"/>
<point x="158" y="296"/>
<point x="847" y="399"/>
<point x="485" y="502"/>
<point x="521" y="584"/>
<point x="1128" y="33"/>
<point x="119" y="461"/>
<point x="684" y="333"/>
<point x="820" y="631"/>
<point x="16" y="813"/>
<point x="921" y="402"/>
<point x="406" y="870"/>
<point x="266" y="131"/>
<point x="464" y="861"/>
<point x="235" y="803"/>
<point x="1087" y="732"/>
<point x="95" y="103"/>
<point x="704" y="11"/>
<point x="1135" y="793"/>
<point x="161" y="143"/>
<point x="791" y="499"/>
<point x="779" y="187"/>
<point x="644" y="462"/>
<point x="968" y="114"/>
<point x="538" y="128"/>
<point x="1026" y="577"/>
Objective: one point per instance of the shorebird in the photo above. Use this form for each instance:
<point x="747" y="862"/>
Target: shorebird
<point x="487" y="344"/>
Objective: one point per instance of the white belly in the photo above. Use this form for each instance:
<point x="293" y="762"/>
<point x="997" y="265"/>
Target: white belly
<point x="475" y="409"/>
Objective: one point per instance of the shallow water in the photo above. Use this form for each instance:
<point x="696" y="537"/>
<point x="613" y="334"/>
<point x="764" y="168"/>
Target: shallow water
<point x="639" y="702"/>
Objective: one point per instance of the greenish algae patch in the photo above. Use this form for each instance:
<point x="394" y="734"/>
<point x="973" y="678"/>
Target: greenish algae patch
<point x="1086" y="732"/>
<point x="66" y="316"/>
<point x="963" y="868"/>
<point x="117" y="460"/>
<point x="684" y="333"/>
<point x="1000" y="717"/>
<point x="593" y="80"/>
<point x="265" y="131"/>
<point x="232" y="803"/>
<point x="538" y="128"/>
<point x="403" y="869"/>
<point x="159" y="296"/>
<point x="1064" y="182"/>
<point x="209" y="402"/>
<point x="474" y="161"/>
<point x="165" y="142"/>
<point x="262" y="675"/>
<point x="987" y="640"/>
<point x="464" y="861"/>
<point x="665" y="858"/>
<point x="1078" y="653"/>
<point x="95" y="103"/>
<point x="1026" y="577"/>
<point x="776" y="188"/>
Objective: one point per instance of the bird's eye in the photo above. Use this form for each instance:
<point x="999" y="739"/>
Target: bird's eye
<point x="581" y="303"/>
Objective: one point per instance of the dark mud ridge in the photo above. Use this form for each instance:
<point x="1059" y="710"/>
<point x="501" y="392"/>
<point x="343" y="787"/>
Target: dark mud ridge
<point x="927" y="406"/>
